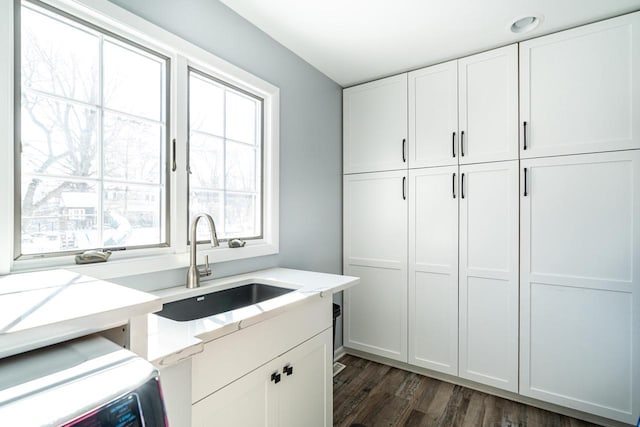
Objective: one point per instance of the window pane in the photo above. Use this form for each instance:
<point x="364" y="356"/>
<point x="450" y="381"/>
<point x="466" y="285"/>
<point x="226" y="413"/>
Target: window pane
<point x="210" y="202"/>
<point x="58" y="138"/>
<point x="240" y="167"/>
<point x="206" y="160"/>
<point x="132" y="82"/>
<point x="58" y="58"/>
<point x="132" y="215"/>
<point x="58" y="215"/>
<point x="206" y="106"/>
<point x="226" y="175"/>
<point x="241" y="118"/>
<point x="77" y="134"/>
<point x="132" y="149"/>
<point x="240" y="215"/>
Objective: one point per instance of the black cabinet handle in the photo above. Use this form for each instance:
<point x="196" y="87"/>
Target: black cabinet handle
<point x="404" y="143"/>
<point x="524" y="135"/>
<point x="288" y="369"/>
<point x="453" y="144"/>
<point x="525" y="183"/>
<point x="462" y="143"/>
<point x="174" y="165"/>
<point x="453" y="185"/>
<point x="404" y="194"/>
<point x="462" y="187"/>
<point x="275" y="377"/>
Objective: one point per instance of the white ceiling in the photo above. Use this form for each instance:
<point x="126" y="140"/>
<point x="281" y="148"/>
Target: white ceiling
<point x="353" y="41"/>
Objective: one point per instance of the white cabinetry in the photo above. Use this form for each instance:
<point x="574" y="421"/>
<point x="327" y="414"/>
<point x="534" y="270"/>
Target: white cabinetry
<point x="375" y="249"/>
<point x="580" y="89"/>
<point x="559" y="319"/>
<point x="489" y="274"/>
<point x="465" y="111"/>
<point x="433" y="116"/>
<point x="433" y="268"/>
<point x="249" y="401"/>
<point x="231" y="378"/>
<point x="289" y="391"/>
<point x="375" y="126"/>
<point x="488" y="106"/>
<point x="580" y="282"/>
<point x="307" y="379"/>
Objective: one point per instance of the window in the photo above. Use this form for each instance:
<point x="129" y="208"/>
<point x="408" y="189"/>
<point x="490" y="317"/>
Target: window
<point x="98" y="94"/>
<point x="225" y="157"/>
<point x="93" y="131"/>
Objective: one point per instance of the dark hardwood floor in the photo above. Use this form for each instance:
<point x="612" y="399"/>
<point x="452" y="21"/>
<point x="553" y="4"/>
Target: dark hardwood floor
<point x="370" y="394"/>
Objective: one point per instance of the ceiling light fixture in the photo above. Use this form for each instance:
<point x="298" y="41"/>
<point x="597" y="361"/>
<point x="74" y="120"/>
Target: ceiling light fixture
<point x="525" y="24"/>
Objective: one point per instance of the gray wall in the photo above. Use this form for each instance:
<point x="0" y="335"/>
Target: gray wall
<point x="310" y="133"/>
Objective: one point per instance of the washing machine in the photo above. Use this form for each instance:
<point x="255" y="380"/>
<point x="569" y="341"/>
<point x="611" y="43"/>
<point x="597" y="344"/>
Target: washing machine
<point x="86" y="382"/>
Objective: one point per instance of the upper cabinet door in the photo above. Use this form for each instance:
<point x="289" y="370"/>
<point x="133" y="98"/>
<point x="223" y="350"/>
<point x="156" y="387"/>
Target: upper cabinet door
<point x="375" y="126"/>
<point x="580" y="89"/>
<point x="488" y="105"/>
<point x="433" y="116"/>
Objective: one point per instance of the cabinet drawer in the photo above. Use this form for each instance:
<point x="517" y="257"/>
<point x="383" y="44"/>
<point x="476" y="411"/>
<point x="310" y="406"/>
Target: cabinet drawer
<point x="232" y="356"/>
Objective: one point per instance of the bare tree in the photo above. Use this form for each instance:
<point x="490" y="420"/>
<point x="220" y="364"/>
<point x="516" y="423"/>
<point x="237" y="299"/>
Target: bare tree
<point x="69" y="145"/>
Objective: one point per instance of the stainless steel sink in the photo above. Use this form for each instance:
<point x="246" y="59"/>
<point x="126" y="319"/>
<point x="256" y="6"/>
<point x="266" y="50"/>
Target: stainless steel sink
<point x="220" y="301"/>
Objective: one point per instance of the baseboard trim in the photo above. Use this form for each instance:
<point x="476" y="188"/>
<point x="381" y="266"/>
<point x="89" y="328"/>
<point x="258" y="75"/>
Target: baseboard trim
<point x="338" y="353"/>
<point x="487" y="389"/>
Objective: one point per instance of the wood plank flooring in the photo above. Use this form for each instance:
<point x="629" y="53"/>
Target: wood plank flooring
<point x="369" y="394"/>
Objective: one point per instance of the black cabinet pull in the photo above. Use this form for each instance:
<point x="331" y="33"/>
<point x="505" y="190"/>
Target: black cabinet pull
<point x="404" y="143"/>
<point x="462" y="143"/>
<point x="524" y="136"/>
<point x="404" y="194"/>
<point x="453" y="144"/>
<point x="275" y="377"/>
<point x="174" y="165"/>
<point x="525" y="183"/>
<point x="453" y="185"/>
<point x="462" y="187"/>
<point x="288" y="369"/>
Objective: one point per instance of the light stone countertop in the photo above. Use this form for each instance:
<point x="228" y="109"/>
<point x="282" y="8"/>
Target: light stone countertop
<point x="47" y="307"/>
<point x="171" y="341"/>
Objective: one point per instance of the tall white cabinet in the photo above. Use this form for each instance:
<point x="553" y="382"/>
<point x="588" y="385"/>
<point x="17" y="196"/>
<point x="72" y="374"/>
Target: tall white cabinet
<point x="580" y="284"/>
<point x="433" y="268"/>
<point x="512" y="257"/>
<point x="375" y="249"/>
<point x="462" y="275"/>
<point x="488" y="303"/>
<point x="580" y="238"/>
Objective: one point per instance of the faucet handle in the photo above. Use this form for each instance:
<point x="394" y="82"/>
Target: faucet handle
<point x="206" y="271"/>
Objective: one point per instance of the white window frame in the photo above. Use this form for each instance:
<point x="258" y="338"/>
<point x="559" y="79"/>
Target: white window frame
<point x="183" y="54"/>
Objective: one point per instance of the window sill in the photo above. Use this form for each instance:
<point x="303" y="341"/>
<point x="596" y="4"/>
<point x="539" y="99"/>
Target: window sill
<point x="129" y="266"/>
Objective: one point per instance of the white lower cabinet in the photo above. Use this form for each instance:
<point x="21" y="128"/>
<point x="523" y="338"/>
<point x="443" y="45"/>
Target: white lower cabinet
<point x="580" y="282"/>
<point x="433" y="268"/>
<point x="249" y="401"/>
<point x="289" y="391"/>
<point x="488" y="284"/>
<point x="305" y="393"/>
<point x="375" y="249"/>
